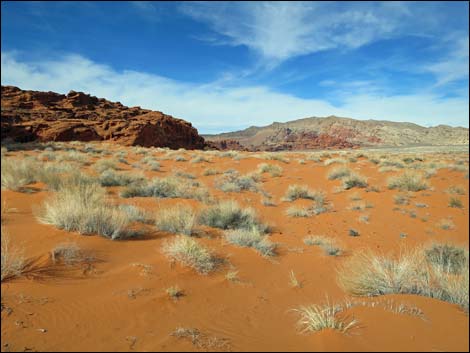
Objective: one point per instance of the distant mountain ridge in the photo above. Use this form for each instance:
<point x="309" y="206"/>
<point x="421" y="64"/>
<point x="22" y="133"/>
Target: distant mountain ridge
<point x="339" y="132"/>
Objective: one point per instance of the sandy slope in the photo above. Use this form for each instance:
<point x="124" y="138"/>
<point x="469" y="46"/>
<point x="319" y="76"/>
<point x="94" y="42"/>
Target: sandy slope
<point x="115" y="305"/>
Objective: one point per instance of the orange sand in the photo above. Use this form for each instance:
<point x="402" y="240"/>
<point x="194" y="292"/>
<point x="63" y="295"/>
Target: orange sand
<point x="114" y="306"/>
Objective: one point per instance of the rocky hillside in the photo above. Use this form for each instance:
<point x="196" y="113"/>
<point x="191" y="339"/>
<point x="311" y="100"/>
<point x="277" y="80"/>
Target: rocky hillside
<point x="48" y="116"/>
<point x="335" y="132"/>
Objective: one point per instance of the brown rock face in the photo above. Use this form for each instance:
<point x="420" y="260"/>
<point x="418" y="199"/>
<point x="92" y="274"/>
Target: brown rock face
<point x="48" y="116"/>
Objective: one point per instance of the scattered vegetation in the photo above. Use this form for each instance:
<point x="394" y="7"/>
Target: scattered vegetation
<point x="189" y="252"/>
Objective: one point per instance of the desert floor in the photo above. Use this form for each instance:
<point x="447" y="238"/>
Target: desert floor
<point x="118" y="301"/>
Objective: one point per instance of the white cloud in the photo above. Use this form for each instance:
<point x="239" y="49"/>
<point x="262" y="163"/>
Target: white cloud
<point x="278" y="31"/>
<point x="214" y="107"/>
<point x="455" y="64"/>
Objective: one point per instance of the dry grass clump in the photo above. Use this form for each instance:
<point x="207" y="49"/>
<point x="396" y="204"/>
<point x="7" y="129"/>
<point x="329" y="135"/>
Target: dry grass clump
<point x="335" y="160"/>
<point x="354" y="181"/>
<point x="83" y="208"/>
<point x="210" y="171"/>
<point x="314" y="318"/>
<point x="339" y="173"/>
<point x="189" y="252"/>
<point x="13" y="261"/>
<point x="276" y="156"/>
<point x="329" y="246"/>
<point x="439" y="271"/>
<point x="229" y="215"/>
<point x="174" y="292"/>
<point x="455" y="202"/>
<point x="295" y="211"/>
<point x="409" y="181"/>
<point x="251" y="238"/>
<point x="17" y="173"/>
<point x="295" y="192"/>
<point x="110" y="178"/>
<point x="179" y="219"/>
<point x="74" y="156"/>
<point x="57" y="177"/>
<point x="169" y="187"/>
<point x="200" y="159"/>
<point x="272" y="169"/>
<point x="234" y="182"/>
<point x="105" y="164"/>
<point x="456" y="189"/>
<point x="402" y="199"/>
<point x="69" y="254"/>
<point x="136" y="214"/>
<point x="446" y="224"/>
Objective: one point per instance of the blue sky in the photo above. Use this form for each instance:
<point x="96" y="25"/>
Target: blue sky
<point x="228" y="65"/>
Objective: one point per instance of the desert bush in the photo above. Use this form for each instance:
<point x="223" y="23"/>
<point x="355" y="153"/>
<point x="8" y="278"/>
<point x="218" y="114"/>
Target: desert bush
<point x="189" y="252"/>
<point x="454" y="202"/>
<point x="135" y="214"/>
<point x="17" y="173"/>
<point x="102" y="165"/>
<point x="272" y="169"/>
<point x="401" y="199"/>
<point x="446" y="224"/>
<point x="319" y="317"/>
<point x="339" y="173"/>
<point x="234" y="182"/>
<point x="438" y="272"/>
<point x="210" y="171"/>
<point x="354" y="180"/>
<point x="409" y="181"/>
<point x="295" y="192"/>
<point x="179" y="219"/>
<point x="110" y="178"/>
<point x="13" y="261"/>
<point x="328" y="245"/>
<point x="251" y="238"/>
<point x="456" y="189"/>
<point x="83" y="208"/>
<point x="334" y="160"/>
<point x="200" y="159"/>
<point x="229" y="215"/>
<point x="169" y="187"/>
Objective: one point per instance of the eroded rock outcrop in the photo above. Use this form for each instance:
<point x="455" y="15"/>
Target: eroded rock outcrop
<point x="48" y="116"/>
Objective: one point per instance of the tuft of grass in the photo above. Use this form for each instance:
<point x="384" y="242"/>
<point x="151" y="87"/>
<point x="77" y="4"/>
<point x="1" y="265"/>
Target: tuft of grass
<point x="105" y="164"/>
<point x="454" y="202"/>
<point x="354" y="181"/>
<point x="229" y="215"/>
<point x="232" y="276"/>
<point x="335" y="160"/>
<point x="439" y="271"/>
<point x="83" y="208"/>
<point x="339" y="173"/>
<point x="251" y="238"/>
<point x="409" y="181"/>
<point x="210" y="171"/>
<point x="314" y="318"/>
<point x="135" y="214"/>
<point x="295" y="192"/>
<point x="178" y="220"/>
<point x="272" y="169"/>
<point x="402" y="199"/>
<point x="328" y="245"/>
<point x="189" y="252"/>
<point x="110" y="178"/>
<point x="174" y="292"/>
<point x="294" y="282"/>
<point x="446" y="224"/>
<point x="13" y="261"/>
<point x="295" y="211"/>
<point x="169" y="187"/>
<point x="69" y="254"/>
<point x="456" y="189"/>
<point x="17" y="173"/>
<point x="234" y="182"/>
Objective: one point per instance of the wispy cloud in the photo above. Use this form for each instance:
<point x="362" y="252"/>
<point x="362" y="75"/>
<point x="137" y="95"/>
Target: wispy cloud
<point x="215" y="107"/>
<point x="278" y="31"/>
